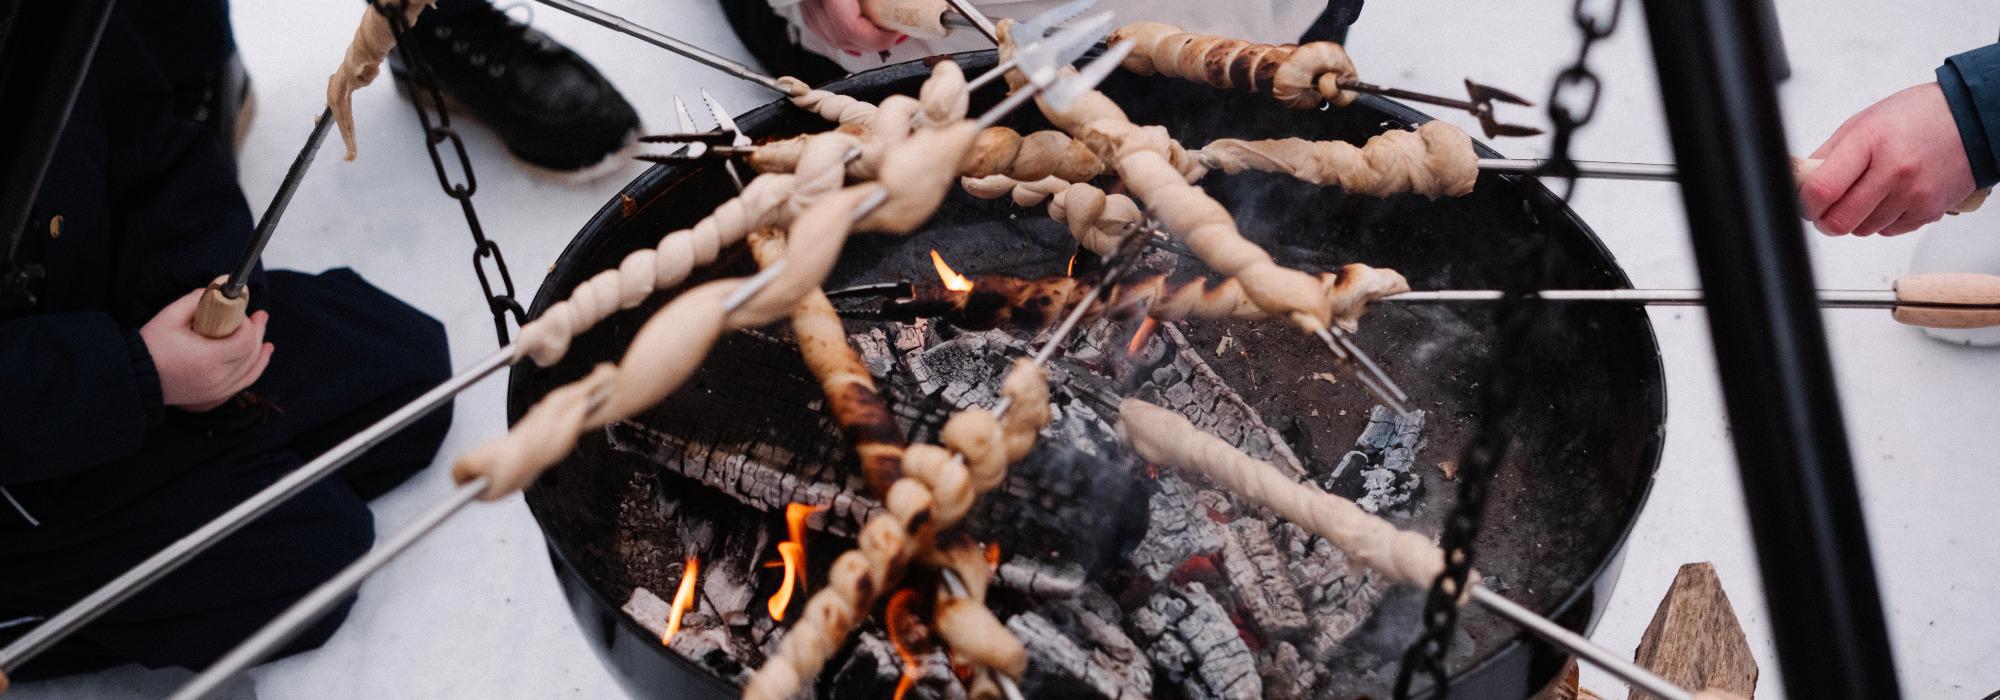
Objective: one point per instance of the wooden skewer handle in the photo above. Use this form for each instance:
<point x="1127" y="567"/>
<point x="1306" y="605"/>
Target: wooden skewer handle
<point x="1948" y="288"/>
<point x="217" y="316"/>
<point x="1803" y="168"/>
<point x="923" y="19"/>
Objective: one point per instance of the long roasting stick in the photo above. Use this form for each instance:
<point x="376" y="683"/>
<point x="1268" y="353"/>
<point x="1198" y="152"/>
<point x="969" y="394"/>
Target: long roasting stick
<point x="641" y="32"/>
<point x="1163" y="436"/>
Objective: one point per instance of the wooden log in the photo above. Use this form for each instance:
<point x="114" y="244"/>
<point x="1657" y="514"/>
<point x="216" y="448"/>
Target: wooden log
<point x="1695" y="640"/>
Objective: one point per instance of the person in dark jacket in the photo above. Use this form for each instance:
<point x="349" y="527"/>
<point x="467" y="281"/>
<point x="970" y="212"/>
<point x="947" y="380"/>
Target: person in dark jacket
<point x="1899" y="164"/>
<point x="122" y="430"/>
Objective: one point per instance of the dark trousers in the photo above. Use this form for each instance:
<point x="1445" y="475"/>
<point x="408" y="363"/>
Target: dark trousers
<point x="347" y="354"/>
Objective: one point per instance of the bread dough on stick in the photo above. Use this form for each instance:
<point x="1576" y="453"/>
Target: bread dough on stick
<point x="373" y="41"/>
<point x="1163" y="436"/>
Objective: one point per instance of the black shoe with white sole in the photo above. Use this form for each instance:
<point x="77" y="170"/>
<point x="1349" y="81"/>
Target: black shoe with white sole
<point x="552" y="109"/>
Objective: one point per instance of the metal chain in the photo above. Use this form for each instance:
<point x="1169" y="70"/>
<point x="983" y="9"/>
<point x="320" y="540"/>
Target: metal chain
<point x="1572" y="104"/>
<point x="484" y="249"/>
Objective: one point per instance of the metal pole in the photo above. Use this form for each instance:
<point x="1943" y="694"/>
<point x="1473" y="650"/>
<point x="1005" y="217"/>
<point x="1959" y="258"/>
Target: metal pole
<point x="1827" y="298"/>
<point x="642" y="33"/>
<point x="1791" y="445"/>
<point x="1604" y="169"/>
<point x="240" y="277"/>
<point x="1624" y="669"/>
<point x="164" y="562"/>
<point x="315" y="605"/>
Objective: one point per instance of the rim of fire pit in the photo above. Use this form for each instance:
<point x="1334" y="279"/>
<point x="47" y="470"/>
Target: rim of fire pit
<point x="1544" y="660"/>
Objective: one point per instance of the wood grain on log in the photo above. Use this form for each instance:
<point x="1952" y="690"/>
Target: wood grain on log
<point x="1695" y="640"/>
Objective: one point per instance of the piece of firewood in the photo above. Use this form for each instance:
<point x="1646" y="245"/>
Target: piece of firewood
<point x="1695" y="640"/>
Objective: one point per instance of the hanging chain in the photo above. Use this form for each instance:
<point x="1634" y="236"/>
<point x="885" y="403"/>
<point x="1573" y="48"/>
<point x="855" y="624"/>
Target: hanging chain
<point x="484" y="249"/>
<point x="1572" y="104"/>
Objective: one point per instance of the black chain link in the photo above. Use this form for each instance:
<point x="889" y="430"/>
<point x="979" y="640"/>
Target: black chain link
<point x="1572" y="103"/>
<point x="483" y="249"/>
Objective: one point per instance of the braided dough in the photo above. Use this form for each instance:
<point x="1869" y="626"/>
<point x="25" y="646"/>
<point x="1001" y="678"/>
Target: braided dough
<point x="1299" y="76"/>
<point x="1434" y="160"/>
<point x="363" y="61"/>
<point x="1163" y="436"/>
<point x="850" y="390"/>
<point x="1143" y="159"/>
<point x="887" y="544"/>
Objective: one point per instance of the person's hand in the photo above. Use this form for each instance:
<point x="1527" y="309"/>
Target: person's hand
<point x="1891" y="169"/>
<point x="841" y="24"/>
<point x="198" y="373"/>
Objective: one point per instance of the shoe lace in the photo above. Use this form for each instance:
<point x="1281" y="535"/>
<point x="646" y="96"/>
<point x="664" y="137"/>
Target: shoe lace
<point x="495" y="40"/>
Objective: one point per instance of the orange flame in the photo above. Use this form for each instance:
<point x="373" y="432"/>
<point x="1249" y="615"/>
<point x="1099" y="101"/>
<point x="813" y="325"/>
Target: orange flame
<point x="1139" y="339"/>
<point x="683" y="598"/>
<point x="793" y="554"/>
<point x="899" y="621"/>
<point x="993" y="555"/>
<point x="952" y="280"/>
<point x="1070" y="271"/>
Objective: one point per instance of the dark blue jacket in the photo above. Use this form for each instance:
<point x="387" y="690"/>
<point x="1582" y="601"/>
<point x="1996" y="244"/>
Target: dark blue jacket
<point x="149" y="209"/>
<point x="1971" y="83"/>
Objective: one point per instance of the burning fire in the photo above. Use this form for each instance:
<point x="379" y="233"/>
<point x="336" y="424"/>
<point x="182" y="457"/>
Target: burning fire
<point x="1139" y="339"/>
<point x="952" y="280"/>
<point x="1070" y="271"/>
<point x="902" y="630"/>
<point x="793" y="552"/>
<point x="683" y="598"/>
<point x="993" y="556"/>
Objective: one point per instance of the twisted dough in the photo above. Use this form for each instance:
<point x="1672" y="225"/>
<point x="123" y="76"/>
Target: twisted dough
<point x="998" y="151"/>
<point x="1163" y="436"/>
<point x="363" y="61"/>
<point x="1434" y="160"/>
<point x="1097" y="220"/>
<point x="850" y="390"/>
<point x="836" y="108"/>
<point x="772" y="200"/>
<point x="670" y="345"/>
<point x="1038" y="303"/>
<point x="1299" y="76"/>
<point x="903" y="531"/>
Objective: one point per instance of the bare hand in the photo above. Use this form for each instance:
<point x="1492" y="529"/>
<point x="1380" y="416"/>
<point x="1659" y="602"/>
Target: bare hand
<point x="1891" y="169"/>
<point x="841" y="24"/>
<point x="198" y="373"/>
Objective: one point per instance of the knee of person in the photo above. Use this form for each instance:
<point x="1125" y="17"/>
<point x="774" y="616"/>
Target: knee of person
<point x="321" y="630"/>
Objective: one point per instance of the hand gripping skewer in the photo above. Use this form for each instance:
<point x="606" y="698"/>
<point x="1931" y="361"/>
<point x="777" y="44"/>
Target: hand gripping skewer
<point x="316" y="604"/>
<point x="1163" y="436"/>
<point x="221" y="308"/>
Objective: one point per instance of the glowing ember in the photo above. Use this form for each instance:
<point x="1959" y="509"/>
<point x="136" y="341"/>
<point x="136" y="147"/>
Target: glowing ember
<point x="993" y="555"/>
<point x="1071" y="270"/>
<point x="792" y="554"/>
<point x="903" y="633"/>
<point x="1139" y="339"/>
<point x="952" y="280"/>
<point x="683" y="598"/>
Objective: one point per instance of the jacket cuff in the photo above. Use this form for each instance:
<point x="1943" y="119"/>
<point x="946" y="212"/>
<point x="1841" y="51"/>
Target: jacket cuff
<point x="147" y="377"/>
<point x="1971" y="85"/>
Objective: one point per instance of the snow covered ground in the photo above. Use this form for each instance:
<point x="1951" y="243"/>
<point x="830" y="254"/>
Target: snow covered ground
<point x="474" y="612"/>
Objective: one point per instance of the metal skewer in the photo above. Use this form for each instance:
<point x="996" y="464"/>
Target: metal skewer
<point x="1609" y="170"/>
<point x="1632" y="673"/>
<point x="173" y="556"/>
<point x="1828" y="298"/>
<point x="642" y="33"/>
<point x="220" y="310"/>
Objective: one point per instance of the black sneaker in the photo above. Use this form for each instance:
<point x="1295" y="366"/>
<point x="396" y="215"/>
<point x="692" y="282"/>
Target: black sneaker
<point x="553" y="110"/>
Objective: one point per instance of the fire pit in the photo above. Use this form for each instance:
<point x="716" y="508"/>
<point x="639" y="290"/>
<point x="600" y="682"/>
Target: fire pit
<point x="1124" y="580"/>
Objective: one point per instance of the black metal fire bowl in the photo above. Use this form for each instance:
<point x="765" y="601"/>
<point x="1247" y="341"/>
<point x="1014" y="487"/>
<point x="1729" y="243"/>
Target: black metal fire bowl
<point x="1584" y="453"/>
